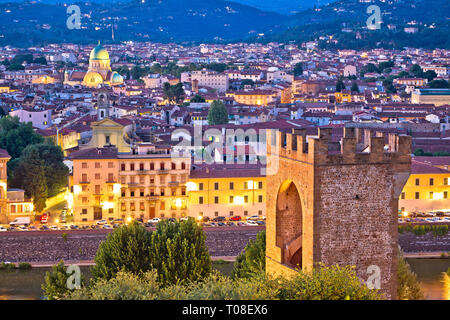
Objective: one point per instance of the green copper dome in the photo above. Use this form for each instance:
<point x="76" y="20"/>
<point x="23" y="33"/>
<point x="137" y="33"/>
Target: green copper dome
<point x="99" y="53"/>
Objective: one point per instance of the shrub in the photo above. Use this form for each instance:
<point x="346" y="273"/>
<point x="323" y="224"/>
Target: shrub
<point x="253" y="259"/>
<point x="25" y="266"/>
<point x="7" y="266"/>
<point x="55" y="283"/>
<point x="64" y="236"/>
<point x="408" y="287"/>
<point x="125" y="249"/>
<point x="178" y="252"/>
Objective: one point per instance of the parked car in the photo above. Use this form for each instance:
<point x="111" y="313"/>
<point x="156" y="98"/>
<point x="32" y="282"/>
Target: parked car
<point x="11" y="229"/>
<point x="253" y="218"/>
<point x="184" y="218"/>
<point x="22" y="221"/>
<point x="100" y="222"/>
<point x="2" y="229"/>
<point x="260" y="223"/>
<point x="107" y="226"/>
<point x="22" y="228"/>
<point x="154" y="220"/>
<point x="74" y="227"/>
<point x="32" y="228"/>
<point x="172" y="220"/>
<point x="44" y="228"/>
<point x="236" y="218"/>
<point x="118" y="221"/>
<point x="206" y="224"/>
<point x="205" y="219"/>
<point x="217" y="219"/>
<point x="221" y="224"/>
<point x="240" y="223"/>
<point x="213" y="224"/>
<point x="54" y="228"/>
<point x="251" y="223"/>
<point x="231" y="223"/>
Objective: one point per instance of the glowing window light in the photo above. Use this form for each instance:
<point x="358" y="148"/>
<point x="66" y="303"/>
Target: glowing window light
<point x="178" y="203"/>
<point x="238" y="200"/>
<point x="116" y="188"/>
<point x="191" y="186"/>
<point x="76" y="189"/>
<point x="437" y="196"/>
<point x="107" y="205"/>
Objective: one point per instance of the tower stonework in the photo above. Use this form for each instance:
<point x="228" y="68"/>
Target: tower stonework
<point x="336" y="202"/>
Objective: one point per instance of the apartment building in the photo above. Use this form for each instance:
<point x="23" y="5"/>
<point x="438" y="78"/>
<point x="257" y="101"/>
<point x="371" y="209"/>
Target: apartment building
<point x="427" y="189"/>
<point x="226" y="190"/>
<point x="111" y="185"/>
<point x="207" y="78"/>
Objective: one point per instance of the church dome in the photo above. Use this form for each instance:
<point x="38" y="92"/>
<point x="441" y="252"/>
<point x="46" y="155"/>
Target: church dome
<point x="116" y="78"/>
<point x="99" y="53"/>
<point x="92" y="79"/>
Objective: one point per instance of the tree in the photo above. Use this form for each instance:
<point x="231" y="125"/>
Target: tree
<point x="385" y="65"/>
<point x="178" y="252"/>
<point x="15" y="136"/>
<point x="354" y="87"/>
<point x="41" y="172"/>
<point x="174" y="94"/>
<point x="416" y="71"/>
<point x="40" y="60"/>
<point x="430" y="75"/>
<point x="55" y="283"/>
<point x="126" y="249"/>
<point x="217" y="113"/>
<point x="252" y="260"/>
<point x="15" y="67"/>
<point x="408" y="287"/>
<point x="298" y="69"/>
<point x="439" y="84"/>
<point x="247" y="82"/>
<point x="340" y="86"/>
<point x="198" y="99"/>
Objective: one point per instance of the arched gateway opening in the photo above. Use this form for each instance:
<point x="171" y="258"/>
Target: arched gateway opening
<point x="289" y="220"/>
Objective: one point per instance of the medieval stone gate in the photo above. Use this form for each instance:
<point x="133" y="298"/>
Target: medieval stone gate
<point x="336" y="202"/>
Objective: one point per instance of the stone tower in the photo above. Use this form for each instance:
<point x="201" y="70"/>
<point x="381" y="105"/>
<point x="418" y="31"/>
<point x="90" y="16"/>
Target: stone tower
<point x="336" y="202"/>
<point x="102" y="105"/>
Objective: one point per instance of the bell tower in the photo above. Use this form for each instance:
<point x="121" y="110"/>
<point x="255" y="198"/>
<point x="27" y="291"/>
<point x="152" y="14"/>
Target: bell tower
<point x="102" y="106"/>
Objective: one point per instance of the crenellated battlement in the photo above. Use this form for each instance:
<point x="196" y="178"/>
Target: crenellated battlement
<point x="355" y="147"/>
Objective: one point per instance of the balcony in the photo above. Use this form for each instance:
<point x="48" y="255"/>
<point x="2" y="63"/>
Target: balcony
<point x="152" y="198"/>
<point x="84" y="182"/>
<point x="163" y="171"/>
<point x="140" y="172"/>
<point x="174" y="183"/>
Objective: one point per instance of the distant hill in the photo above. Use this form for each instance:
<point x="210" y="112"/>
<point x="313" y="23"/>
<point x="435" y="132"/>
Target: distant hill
<point x="164" y="20"/>
<point x="340" y="24"/>
<point x="345" y="22"/>
<point x="284" y="6"/>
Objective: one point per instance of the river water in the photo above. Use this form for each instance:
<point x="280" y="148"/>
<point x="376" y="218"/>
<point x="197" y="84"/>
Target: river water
<point x="26" y="285"/>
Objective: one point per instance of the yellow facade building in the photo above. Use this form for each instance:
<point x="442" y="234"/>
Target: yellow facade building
<point x="226" y="190"/>
<point x="427" y="188"/>
<point x="110" y="185"/>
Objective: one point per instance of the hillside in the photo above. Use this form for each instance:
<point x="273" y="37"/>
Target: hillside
<point x="165" y="20"/>
<point x="345" y="22"/>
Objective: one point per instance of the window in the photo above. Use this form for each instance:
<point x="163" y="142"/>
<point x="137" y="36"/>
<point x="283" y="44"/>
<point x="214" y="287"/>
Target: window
<point x="131" y="166"/>
<point x="163" y="206"/>
<point x="152" y="166"/>
<point x="231" y="185"/>
<point x="403" y="196"/>
<point x="110" y="177"/>
<point x="259" y="212"/>
<point x="97" y="165"/>
<point x="431" y="181"/>
<point x="141" y="192"/>
<point x="162" y="192"/>
<point x="431" y="195"/>
<point x="161" y="165"/>
<point x="260" y="198"/>
<point x="131" y="193"/>
<point x="216" y="186"/>
<point x="216" y="213"/>
<point x="122" y="167"/>
<point x="84" y="177"/>
<point x="417" y="182"/>
<point x="231" y="213"/>
<point x="246" y="199"/>
<point x="110" y="165"/>
<point x="200" y="186"/>
<point x="183" y="166"/>
<point x="260" y="185"/>
<point x="200" y="200"/>
<point x="108" y="139"/>
<point x="417" y="196"/>
<point x="84" y="165"/>
<point x="141" y="166"/>
<point x="174" y="166"/>
<point x="83" y="211"/>
<point x="245" y="213"/>
<point x="216" y="200"/>
<point x="445" y="195"/>
<point x="110" y="210"/>
<point x="231" y="199"/>
<point x="97" y="176"/>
